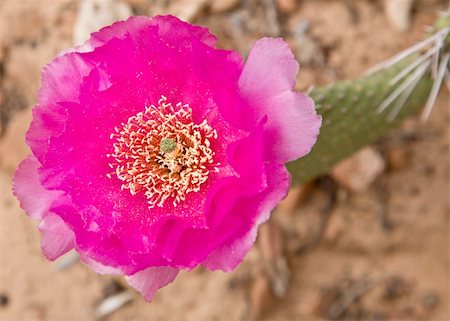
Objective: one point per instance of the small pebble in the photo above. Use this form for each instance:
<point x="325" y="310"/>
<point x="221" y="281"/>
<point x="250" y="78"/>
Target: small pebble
<point x="219" y="6"/>
<point x="287" y="6"/>
<point x="359" y="171"/>
<point x="398" y="158"/>
<point x="4" y="300"/>
<point x="112" y="304"/>
<point x="398" y="13"/>
<point x="430" y="300"/>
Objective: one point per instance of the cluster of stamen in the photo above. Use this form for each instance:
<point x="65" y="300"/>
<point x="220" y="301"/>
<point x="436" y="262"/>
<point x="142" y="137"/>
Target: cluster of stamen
<point x="163" y="153"/>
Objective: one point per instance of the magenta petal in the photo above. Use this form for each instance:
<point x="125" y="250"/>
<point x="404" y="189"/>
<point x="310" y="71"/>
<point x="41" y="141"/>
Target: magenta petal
<point x="33" y="197"/>
<point x="57" y="237"/>
<point x="292" y="123"/>
<point x="151" y="279"/>
<point x="68" y="69"/>
<point x="227" y="257"/>
<point x="278" y="182"/>
<point x="49" y="117"/>
<point x="99" y="180"/>
<point x="119" y="30"/>
<point x="170" y="28"/>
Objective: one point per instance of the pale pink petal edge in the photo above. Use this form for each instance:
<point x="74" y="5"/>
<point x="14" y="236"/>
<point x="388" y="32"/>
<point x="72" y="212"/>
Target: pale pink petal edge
<point x="34" y="199"/>
<point x="57" y="238"/>
<point x="98" y="267"/>
<point x="148" y="281"/>
<point x="267" y="84"/>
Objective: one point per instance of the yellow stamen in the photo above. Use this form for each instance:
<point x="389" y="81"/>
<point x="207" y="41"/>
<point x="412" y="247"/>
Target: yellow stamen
<point x="163" y="153"/>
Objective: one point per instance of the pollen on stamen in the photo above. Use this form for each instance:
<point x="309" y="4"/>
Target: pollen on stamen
<point x="162" y="153"/>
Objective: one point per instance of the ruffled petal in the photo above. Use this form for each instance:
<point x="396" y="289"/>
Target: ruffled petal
<point x="71" y="67"/>
<point x="61" y="79"/>
<point x="97" y="266"/>
<point x="60" y="83"/>
<point x="119" y="30"/>
<point x="57" y="237"/>
<point x="177" y="33"/>
<point x="267" y="84"/>
<point x="34" y="199"/>
<point x="228" y="256"/>
<point x="171" y="29"/>
<point x="279" y="181"/>
<point x="151" y="279"/>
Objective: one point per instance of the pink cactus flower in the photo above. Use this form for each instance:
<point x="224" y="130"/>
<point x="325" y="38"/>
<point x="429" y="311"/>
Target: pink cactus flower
<point x="154" y="151"/>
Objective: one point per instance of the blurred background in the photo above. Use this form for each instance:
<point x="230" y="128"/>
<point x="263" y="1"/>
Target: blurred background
<point x="369" y="241"/>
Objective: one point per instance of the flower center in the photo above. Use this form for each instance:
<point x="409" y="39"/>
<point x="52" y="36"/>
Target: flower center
<point x="163" y="153"/>
<point x="167" y="145"/>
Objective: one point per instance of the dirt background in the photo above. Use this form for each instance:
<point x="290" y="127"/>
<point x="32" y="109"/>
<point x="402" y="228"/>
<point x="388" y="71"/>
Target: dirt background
<point x="380" y="254"/>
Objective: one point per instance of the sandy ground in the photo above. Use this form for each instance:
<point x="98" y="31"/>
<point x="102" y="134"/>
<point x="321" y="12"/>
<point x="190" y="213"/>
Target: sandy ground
<point x="382" y="254"/>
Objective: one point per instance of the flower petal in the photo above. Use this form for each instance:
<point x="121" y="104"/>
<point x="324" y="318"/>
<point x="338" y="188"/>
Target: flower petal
<point x="293" y="124"/>
<point x="178" y="33"/>
<point x="151" y="279"/>
<point x="57" y="237"/>
<point x="171" y="29"/>
<point x="90" y="92"/>
<point x="97" y="266"/>
<point x="33" y="197"/>
<point x="104" y="215"/>
<point x="49" y="117"/>
<point x="227" y="257"/>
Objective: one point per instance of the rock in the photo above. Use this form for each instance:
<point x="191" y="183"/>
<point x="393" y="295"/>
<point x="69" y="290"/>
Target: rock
<point x="287" y="6"/>
<point x="135" y="3"/>
<point x="145" y="7"/>
<point x="398" y="13"/>
<point x="187" y="10"/>
<point x="398" y="158"/>
<point x="430" y="300"/>
<point x="308" y="51"/>
<point x="112" y="303"/>
<point x="219" y="6"/>
<point x="94" y="14"/>
<point x="359" y="171"/>
<point x="306" y="48"/>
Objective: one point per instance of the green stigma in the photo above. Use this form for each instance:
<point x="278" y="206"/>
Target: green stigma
<point x="167" y="145"/>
